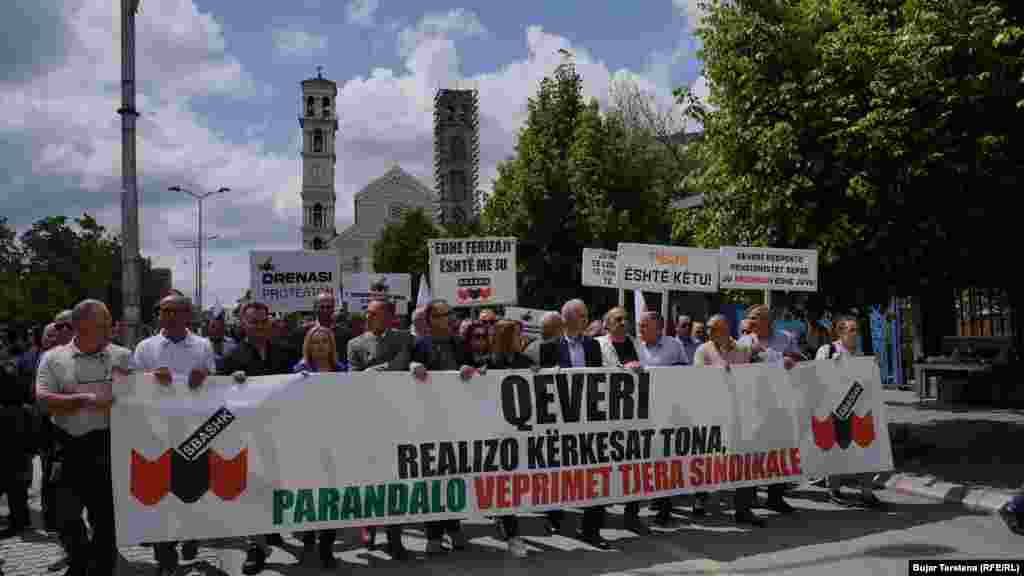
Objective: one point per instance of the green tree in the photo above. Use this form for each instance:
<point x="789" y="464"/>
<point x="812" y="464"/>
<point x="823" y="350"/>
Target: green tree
<point x="579" y="178"/>
<point x="402" y="246"/>
<point x="877" y="131"/>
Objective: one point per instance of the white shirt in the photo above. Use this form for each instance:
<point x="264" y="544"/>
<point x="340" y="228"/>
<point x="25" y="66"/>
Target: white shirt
<point x="179" y="357"/>
<point x="67" y="370"/>
<point x="667" y="351"/>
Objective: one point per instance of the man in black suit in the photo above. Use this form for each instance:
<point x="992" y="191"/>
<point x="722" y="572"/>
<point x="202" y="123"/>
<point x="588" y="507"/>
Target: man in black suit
<point x="575" y="350"/>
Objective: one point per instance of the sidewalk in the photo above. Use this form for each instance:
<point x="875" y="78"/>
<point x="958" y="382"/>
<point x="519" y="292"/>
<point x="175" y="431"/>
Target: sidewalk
<point x="966" y="454"/>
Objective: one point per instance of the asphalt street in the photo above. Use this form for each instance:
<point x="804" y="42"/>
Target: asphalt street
<point x="822" y="538"/>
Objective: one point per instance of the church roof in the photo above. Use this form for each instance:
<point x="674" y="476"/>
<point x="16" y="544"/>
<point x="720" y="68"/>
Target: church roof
<point x="396" y="175"/>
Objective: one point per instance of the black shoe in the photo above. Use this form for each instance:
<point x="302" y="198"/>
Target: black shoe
<point x="664" y="517"/>
<point x="699" y="510"/>
<point x="780" y="506"/>
<point x="871" y="501"/>
<point x="748" y="517"/>
<point x="637" y="525"/>
<point x="836" y="497"/>
<point x="189" y="550"/>
<point x="255" y="561"/>
<point x="552" y="527"/>
<point x="327" y="559"/>
<point x="275" y="540"/>
<point x="166" y="558"/>
<point x="594" y="539"/>
<point x="308" y="547"/>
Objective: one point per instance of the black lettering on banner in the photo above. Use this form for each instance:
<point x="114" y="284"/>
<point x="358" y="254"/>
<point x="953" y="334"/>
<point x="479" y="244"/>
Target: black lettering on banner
<point x="407" y="461"/>
<point x="571" y="399"/>
<point x="535" y="452"/>
<point x="509" y="454"/>
<point x="427" y="460"/>
<point x="515" y="401"/>
<point x="544" y="397"/>
<point x="594" y="397"/>
<point x="491" y="461"/>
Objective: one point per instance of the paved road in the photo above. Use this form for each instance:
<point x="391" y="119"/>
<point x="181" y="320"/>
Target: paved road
<point x="822" y="539"/>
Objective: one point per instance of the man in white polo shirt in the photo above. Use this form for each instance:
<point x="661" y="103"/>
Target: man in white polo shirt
<point x="73" y="383"/>
<point x="175" y="356"/>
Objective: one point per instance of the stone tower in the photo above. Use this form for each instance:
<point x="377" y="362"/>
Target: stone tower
<point x="456" y="155"/>
<point x="319" y="126"/>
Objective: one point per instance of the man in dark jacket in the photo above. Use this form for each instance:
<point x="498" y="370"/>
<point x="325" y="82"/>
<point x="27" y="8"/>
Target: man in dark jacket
<point x="575" y="350"/>
<point x="256" y="355"/>
<point x="441" y="351"/>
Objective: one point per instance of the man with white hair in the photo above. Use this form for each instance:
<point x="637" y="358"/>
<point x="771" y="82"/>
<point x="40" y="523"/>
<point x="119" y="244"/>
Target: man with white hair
<point x="74" y="384"/>
<point x="576" y="350"/>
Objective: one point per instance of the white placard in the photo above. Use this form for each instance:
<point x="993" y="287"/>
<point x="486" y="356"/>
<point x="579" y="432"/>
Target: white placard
<point x="529" y="317"/>
<point x="290" y="281"/>
<point x="473" y="271"/>
<point x="359" y="289"/>
<point x="656" y="268"/>
<point x="768" y="268"/>
<point x="599" y="268"/>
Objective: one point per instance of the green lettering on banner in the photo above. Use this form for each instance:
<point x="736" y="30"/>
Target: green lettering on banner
<point x="436" y="506"/>
<point x="283" y="500"/>
<point x="456" y="495"/>
<point x="374" y="501"/>
<point x="350" y="504"/>
<point x="398" y="499"/>
<point x="305" y="508"/>
<point x="418" y="504"/>
<point x="328" y="504"/>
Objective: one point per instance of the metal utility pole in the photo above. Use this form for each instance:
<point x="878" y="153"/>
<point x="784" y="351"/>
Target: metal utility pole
<point x="131" y="285"/>
<point x="199" y="237"/>
<point x="191" y="244"/>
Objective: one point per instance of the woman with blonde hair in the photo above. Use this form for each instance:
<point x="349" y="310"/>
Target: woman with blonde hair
<point x="319" y="354"/>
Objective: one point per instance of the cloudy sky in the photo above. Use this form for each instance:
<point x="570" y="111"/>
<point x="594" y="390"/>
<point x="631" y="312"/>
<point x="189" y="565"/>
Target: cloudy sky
<point x="218" y="94"/>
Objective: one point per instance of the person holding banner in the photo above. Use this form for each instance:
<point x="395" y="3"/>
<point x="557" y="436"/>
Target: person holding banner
<point x="176" y="353"/>
<point x="769" y="345"/>
<point x="617" y="347"/>
<point x="384" y="349"/>
<point x="442" y="350"/>
<point x="319" y="354"/>
<point x="575" y="350"/>
<point x="845" y="345"/>
<point x="74" y="385"/>
<point x="722" y="350"/>
<point x="257" y="356"/>
<point x="506" y="354"/>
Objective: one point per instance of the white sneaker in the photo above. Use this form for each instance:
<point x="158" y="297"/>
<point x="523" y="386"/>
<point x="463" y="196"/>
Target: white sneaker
<point x="517" y="547"/>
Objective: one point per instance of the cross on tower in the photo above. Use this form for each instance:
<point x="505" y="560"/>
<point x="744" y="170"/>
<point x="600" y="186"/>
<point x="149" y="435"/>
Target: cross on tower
<point x="318" y="69"/>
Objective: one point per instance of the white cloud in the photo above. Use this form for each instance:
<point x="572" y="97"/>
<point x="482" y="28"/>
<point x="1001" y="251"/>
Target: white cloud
<point x="692" y="10"/>
<point x="385" y="118"/>
<point x="297" y="42"/>
<point x="361" y="12"/>
<point x="458" y="22"/>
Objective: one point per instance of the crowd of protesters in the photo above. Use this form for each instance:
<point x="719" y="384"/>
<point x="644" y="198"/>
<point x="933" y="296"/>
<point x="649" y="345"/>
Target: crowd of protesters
<point x="56" y="400"/>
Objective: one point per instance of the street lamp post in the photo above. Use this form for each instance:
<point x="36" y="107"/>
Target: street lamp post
<point x="192" y="244"/>
<point x="199" y="198"/>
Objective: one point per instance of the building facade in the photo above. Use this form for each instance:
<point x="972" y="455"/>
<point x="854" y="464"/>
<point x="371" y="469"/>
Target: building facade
<point x="383" y="201"/>
<point x="319" y="126"/>
<point x="456" y="155"/>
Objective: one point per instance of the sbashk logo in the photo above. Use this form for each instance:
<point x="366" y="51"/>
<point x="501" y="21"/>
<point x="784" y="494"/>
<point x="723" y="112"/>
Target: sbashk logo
<point x="843" y="426"/>
<point x="268" y="265"/>
<point x="192" y="469"/>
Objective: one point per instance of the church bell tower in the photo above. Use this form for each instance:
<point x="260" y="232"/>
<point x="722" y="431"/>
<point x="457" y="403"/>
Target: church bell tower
<point x="319" y="127"/>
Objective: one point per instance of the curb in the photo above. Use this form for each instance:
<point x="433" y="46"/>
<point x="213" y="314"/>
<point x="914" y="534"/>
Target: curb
<point x="978" y="499"/>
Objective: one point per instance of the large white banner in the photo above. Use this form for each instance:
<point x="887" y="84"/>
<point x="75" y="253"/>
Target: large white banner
<point x="473" y="271"/>
<point x="290" y="281"/>
<point x="656" y="268"/>
<point x="295" y="452"/>
<point x="359" y="289"/>
<point x="599" y="268"/>
<point x="769" y="268"/>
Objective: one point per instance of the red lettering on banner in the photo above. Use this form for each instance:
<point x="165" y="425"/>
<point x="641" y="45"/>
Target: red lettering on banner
<point x="784" y="464"/>
<point x="573" y="486"/>
<point x="648" y="477"/>
<point x="773" y="464"/>
<point x="721" y="467"/>
<point x="592" y="484"/>
<point x="606" y="477"/>
<point x="624" y="470"/>
<point x="484" y="488"/>
<point x="677" y="474"/>
<point x="661" y="476"/>
<point x="757" y="466"/>
<point x="794" y="458"/>
<point x="520" y="486"/>
<point x="539" y="489"/>
<point x="696" y="472"/>
<point x="503" y="501"/>
<point x="735" y="468"/>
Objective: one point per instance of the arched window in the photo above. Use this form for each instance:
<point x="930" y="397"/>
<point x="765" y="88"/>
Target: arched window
<point x="318" y="216"/>
<point x="458" y="144"/>
<point x="457" y="183"/>
<point x="318" y="140"/>
<point x="310" y="103"/>
<point x="326" y="105"/>
<point x="318" y="244"/>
